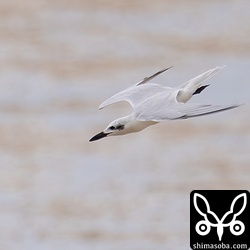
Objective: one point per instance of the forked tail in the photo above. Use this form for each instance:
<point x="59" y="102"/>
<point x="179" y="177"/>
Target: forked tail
<point x="193" y="86"/>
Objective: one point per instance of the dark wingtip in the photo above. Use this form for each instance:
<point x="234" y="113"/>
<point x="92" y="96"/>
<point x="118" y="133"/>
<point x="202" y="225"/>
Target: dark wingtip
<point x="163" y="70"/>
<point x="148" y="78"/>
<point x="200" y="89"/>
<point x="169" y="67"/>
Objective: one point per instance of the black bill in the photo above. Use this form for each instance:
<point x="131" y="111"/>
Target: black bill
<point x="98" y="136"/>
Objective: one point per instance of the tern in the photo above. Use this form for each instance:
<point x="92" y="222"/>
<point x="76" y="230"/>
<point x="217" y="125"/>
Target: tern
<point x="153" y="103"/>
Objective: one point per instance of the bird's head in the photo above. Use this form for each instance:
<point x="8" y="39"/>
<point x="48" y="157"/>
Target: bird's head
<point x="116" y="127"/>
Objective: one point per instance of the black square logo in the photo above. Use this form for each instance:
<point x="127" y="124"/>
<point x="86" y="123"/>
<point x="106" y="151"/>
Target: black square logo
<point x="220" y="219"/>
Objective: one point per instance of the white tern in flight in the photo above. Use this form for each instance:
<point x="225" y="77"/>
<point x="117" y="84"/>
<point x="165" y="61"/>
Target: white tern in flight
<point x="153" y="103"/>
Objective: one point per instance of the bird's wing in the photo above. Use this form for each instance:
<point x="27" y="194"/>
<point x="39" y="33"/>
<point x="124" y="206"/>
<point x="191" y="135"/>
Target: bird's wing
<point x="180" y="111"/>
<point x="135" y="95"/>
<point x="148" y="78"/>
<point x="196" y="81"/>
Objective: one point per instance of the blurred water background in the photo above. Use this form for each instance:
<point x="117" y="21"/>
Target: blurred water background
<point x="58" y="61"/>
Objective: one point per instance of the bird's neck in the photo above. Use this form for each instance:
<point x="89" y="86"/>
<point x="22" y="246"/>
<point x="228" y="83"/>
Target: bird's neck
<point x="133" y="125"/>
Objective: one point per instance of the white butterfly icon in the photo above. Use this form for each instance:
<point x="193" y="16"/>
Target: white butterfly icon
<point x="203" y="227"/>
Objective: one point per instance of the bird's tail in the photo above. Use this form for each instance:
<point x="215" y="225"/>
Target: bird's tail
<point x="193" y="86"/>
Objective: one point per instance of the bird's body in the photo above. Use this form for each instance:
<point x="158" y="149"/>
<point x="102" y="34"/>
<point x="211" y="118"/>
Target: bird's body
<point x="153" y="103"/>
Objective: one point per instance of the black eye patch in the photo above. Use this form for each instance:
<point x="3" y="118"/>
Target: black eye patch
<point x="120" y="127"/>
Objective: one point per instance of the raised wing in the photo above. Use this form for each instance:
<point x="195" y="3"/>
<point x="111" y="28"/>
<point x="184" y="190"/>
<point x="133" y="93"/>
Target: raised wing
<point x="148" y="78"/>
<point x="180" y="111"/>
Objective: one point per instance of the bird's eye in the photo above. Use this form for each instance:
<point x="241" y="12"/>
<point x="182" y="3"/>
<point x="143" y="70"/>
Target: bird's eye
<point x="112" y="128"/>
